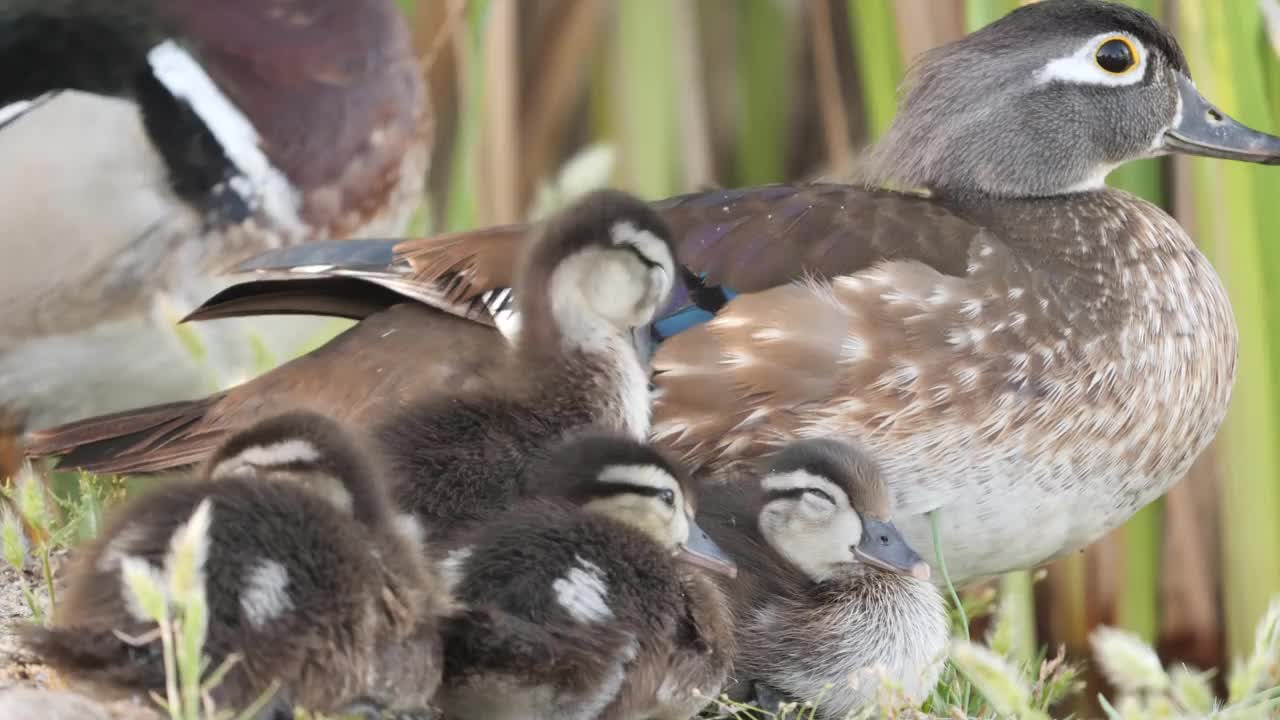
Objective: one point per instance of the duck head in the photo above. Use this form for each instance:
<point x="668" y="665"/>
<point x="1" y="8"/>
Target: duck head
<point x="635" y="484"/>
<point x="1049" y="100"/>
<point x="826" y="511"/>
<point x="601" y="267"/>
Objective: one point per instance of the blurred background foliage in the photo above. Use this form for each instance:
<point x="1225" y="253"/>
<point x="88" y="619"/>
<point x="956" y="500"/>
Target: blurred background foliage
<point x="666" y="96"/>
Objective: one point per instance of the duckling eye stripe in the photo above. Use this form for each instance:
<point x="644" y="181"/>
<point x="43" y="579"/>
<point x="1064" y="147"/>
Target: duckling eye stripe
<point x="644" y="243"/>
<point x="638" y="476"/>
<point x="286" y="452"/>
<point x="1079" y="68"/>
<point x="800" y="480"/>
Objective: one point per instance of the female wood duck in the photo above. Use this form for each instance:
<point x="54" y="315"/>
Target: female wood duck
<point x="828" y="595"/>
<point x="575" y="603"/>
<point x="149" y="144"/>
<point x="310" y="575"/>
<point x="1023" y="349"/>
<point x="599" y="270"/>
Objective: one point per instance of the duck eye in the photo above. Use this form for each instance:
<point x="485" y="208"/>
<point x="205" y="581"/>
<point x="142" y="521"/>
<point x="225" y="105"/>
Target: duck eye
<point x="820" y="494"/>
<point x="1116" y="56"/>
<point x="668" y="497"/>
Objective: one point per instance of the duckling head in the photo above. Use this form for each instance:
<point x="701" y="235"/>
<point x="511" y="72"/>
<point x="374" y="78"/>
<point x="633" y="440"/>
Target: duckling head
<point x="635" y="484"/>
<point x="826" y="510"/>
<point x="600" y="268"/>
<point x="313" y="451"/>
<point x="1050" y="99"/>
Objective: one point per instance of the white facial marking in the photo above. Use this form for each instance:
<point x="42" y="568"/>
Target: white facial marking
<point x="642" y="475"/>
<point x="815" y="535"/>
<point x="273" y="455"/>
<point x="452" y="568"/>
<point x="582" y="592"/>
<point x="1081" y="68"/>
<point x="666" y="523"/>
<point x="649" y="245"/>
<point x="265" y="596"/>
<point x="263" y="184"/>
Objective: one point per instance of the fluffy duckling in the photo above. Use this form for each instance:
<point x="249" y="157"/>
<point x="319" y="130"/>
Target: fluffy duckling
<point x="828" y="592"/>
<point x="310" y="577"/>
<point x="599" y="270"/>
<point x="577" y="604"/>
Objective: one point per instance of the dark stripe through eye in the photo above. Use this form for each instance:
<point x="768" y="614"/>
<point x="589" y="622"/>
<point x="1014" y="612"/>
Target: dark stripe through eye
<point x="610" y="489"/>
<point x="797" y="493"/>
<point x="643" y="258"/>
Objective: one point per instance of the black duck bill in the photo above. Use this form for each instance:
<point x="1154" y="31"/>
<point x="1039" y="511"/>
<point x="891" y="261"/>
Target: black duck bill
<point x="1202" y="129"/>
<point x="882" y="547"/>
<point x="702" y="551"/>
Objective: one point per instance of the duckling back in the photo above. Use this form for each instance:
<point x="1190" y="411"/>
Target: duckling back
<point x="597" y="271"/>
<point x="327" y="592"/>
<point x="573" y="613"/>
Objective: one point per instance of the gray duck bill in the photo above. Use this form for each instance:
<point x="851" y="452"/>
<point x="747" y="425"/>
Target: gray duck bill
<point x="882" y="546"/>
<point x="1203" y="129"/>
<point x="702" y="551"/>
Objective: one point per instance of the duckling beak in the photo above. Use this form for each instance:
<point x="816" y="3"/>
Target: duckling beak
<point x="882" y="546"/>
<point x="1202" y="129"/>
<point x="702" y="551"/>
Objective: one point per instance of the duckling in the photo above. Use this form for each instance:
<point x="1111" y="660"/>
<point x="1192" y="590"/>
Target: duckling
<point x="829" y="593"/>
<point x="576" y="606"/>
<point x="597" y="272"/>
<point x="310" y="578"/>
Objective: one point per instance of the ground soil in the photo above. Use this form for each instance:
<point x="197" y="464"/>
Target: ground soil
<point x="30" y="690"/>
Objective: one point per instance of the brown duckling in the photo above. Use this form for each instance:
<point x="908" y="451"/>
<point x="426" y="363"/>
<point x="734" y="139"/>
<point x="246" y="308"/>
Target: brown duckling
<point x="828" y="593"/>
<point x="309" y="575"/>
<point x="576" y="604"/>
<point x="598" y="271"/>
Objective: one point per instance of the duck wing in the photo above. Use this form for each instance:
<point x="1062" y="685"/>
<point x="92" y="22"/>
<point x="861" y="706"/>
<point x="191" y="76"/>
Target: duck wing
<point x="391" y="356"/>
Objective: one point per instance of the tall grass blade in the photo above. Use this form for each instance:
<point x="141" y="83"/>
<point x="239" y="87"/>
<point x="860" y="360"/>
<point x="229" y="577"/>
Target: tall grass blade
<point x="1220" y="41"/>
<point x="879" y="64"/>
<point x="762" y="71"/>
<point x="461" y="212"/>
<point x="645" y="87"/>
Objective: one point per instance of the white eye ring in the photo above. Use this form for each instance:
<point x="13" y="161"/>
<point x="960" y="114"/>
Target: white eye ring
<point x="1082" y="67"/>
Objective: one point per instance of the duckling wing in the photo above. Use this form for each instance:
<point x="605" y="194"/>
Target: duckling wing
<point x="488" y="639"/>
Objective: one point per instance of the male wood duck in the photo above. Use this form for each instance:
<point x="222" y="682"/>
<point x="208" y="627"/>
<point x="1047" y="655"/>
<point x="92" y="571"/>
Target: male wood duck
<point x="149" y="144"/>
<point x="1030" y="353"/>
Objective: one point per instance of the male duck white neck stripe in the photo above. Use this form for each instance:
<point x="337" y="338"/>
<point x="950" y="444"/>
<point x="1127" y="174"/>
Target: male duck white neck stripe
<point x="264" y="185"/>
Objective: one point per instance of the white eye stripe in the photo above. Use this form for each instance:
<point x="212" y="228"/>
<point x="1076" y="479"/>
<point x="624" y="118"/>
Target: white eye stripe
<point x="1081" y="68"/>
<point x="650" y="245"/>
<point x="641" y="475"/>
<point x="799" y="480"/>
<point x="274" y="454"/>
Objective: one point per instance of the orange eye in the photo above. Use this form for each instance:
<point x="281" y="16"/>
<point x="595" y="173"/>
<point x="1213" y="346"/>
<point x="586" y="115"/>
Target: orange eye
<point x="1117" y="56"/>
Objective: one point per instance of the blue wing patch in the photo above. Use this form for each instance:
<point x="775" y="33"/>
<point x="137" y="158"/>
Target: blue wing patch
<point x="703" y="303"/>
